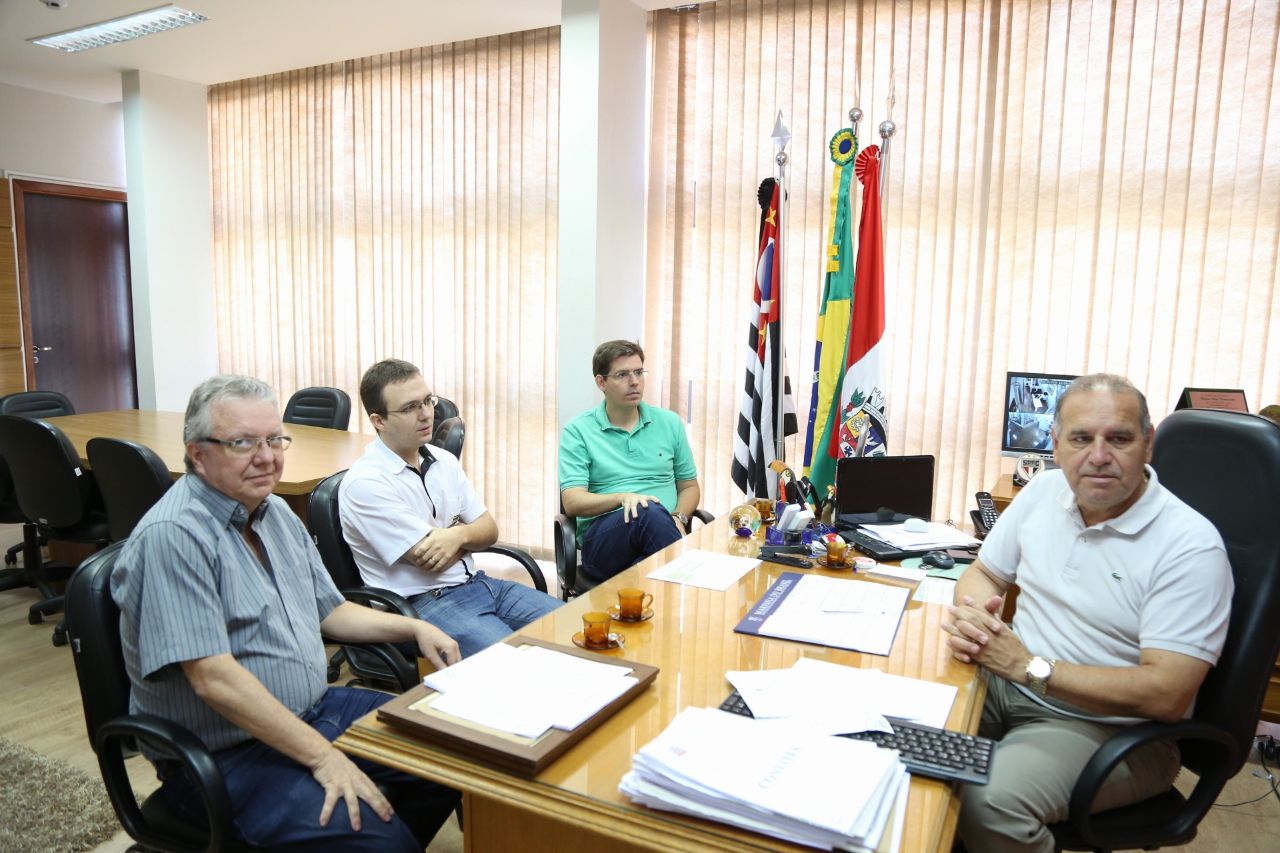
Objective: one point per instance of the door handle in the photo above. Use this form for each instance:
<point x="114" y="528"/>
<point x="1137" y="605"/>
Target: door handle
<point x="35" y="348"/>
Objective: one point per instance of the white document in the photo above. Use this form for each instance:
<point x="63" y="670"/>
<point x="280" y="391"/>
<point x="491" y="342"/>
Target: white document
<point x="527" y="690"/>
<point x="834" y="699"/>
<point x="705" y="569"/>
<point x="899" y="572"/>
<point x="837" y="612"/>
<point x="936" y="591"/>
<point x="937" y="536"/>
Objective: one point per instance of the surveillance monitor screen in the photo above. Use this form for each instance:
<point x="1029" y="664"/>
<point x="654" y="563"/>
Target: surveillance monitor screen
<point x="1030" y="400"/>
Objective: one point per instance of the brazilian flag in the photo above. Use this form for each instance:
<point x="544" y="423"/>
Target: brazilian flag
<point x="833" y="320"/>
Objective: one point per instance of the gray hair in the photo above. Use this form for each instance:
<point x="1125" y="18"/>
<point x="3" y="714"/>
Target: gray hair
<point x="198" y="422"/>
<point x="1105" y="382"/>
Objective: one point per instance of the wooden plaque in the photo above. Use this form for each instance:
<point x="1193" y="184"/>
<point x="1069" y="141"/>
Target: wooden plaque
<point x="412" y="713"/>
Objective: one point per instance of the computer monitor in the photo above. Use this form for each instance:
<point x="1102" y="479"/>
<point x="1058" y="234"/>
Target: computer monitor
<point x="1030" y="400"/>
<point x="1231" y="399"/>
<point x="904" y="484"/>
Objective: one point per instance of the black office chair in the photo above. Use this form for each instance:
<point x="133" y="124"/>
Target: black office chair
<point x="58" y="497"/>
<point x="1226" y="465"/>
<point x="319" y="406"/>
<point x="326" y="532"/>
<point x="28" y="404"/>
<point x="93" y="622"/>
<point x="450" y="430"/>
<point x="36" y="404"/>
<point x="131" y="478"/>
<point x="564" y="532"/>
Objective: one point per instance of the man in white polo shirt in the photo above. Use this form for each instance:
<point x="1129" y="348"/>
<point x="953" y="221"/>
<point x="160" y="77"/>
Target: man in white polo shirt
<point x="1125" y="595"/>
<point x="412" y="519"/>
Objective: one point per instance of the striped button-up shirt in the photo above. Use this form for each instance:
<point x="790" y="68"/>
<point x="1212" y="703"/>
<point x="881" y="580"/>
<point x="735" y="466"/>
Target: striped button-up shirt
<point x="189" y="587"/>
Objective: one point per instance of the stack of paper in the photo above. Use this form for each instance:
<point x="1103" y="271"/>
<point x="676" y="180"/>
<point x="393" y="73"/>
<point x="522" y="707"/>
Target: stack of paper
<point x="527" y="690"/>
<point x="937" y="536"/>
<point x="770" y="777"/>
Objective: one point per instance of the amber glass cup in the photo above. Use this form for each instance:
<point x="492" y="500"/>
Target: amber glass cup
<point x="595" y="629"/>
<point x="632" y="602"/>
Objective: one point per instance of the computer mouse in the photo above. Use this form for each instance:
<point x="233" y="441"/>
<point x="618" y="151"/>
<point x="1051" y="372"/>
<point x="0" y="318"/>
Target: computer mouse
<point x="915" y="525"/>
<point x="937" y="559"/>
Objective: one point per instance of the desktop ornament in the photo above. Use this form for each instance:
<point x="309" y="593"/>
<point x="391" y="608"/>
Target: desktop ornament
<point x="1028" y="466"/>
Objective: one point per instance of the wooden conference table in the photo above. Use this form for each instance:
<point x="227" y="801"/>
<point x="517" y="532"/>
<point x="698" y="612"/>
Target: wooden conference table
<point x="574" y="804"/>
<point x="315" y="453"/>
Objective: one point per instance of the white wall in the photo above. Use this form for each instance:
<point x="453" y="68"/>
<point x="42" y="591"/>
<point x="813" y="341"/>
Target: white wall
<point x="53" y="136"/>
<point x="170" y="237"/>
<point x="601" y="231"/>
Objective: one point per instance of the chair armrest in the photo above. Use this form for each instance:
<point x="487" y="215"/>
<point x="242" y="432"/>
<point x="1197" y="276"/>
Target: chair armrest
<point x="700" y="514"/>
<point x="166" y="736"/>
<point x="524" y="559"/>
<point x="384" y="598"/>
<point x="404" y="669"/>
<point x="1118" y="746"/>
<point x="566" y="544"/>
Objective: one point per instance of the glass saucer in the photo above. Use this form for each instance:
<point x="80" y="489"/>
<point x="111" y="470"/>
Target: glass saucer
<point x="615" y="642"/>
<point x="826" y="564"/>
<point x="615" y="613"/>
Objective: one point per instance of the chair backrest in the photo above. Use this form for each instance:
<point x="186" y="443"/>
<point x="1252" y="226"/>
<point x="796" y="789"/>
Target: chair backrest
<point x="446" y="409"/>
<point x="52" y="485"/>
<point x="326" y="531"/>
<point x="131" y="478"/>
<point x="319" y="406"/>
<point x="450" y="430"/>
<point x="93" y="624"/>
<point x="1226" y="465"/>
<point x="36" y="404"/>
<point x="450" y="434"/>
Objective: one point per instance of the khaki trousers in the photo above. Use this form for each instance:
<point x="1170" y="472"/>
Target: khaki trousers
<point x="1037" y="762"/>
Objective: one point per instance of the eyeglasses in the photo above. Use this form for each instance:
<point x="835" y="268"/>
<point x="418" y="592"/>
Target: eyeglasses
<point x="624" y="375"/>
<point x="430" y="402"/>
<point x="246" y="446"/>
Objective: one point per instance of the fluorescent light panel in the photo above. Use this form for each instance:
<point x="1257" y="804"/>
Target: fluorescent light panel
<point x="121" y="29"/>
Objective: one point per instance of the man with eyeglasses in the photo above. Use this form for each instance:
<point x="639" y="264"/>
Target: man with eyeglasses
<point x="223" y="599"/>
<point x="413" y="519"/>
<point x="626" y="471"/>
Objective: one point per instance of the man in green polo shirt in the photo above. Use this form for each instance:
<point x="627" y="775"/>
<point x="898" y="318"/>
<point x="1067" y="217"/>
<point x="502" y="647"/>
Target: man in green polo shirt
<point x="626" y="471"/>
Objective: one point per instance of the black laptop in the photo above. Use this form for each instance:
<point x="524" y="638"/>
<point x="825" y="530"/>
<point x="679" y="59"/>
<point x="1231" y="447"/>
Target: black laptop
<point x="867" y="486"/>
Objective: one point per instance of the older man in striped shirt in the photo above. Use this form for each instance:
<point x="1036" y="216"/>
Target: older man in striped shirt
<point x="222" y="602"/>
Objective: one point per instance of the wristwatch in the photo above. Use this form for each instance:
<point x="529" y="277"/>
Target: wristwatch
<point x="681" y="519"/>
<point x="1039" y="671"/>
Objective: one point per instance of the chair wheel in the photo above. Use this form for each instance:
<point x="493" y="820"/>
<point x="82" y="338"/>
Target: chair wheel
<point x="59" y="636"/>
<point x="333" y="673"/>
<point x="34" y="617"/>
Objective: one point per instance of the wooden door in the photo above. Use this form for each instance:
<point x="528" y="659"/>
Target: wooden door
<point x="77" y="311"/>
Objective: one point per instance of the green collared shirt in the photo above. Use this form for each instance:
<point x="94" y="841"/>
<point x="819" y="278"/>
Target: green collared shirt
<point x="604" y="458"/>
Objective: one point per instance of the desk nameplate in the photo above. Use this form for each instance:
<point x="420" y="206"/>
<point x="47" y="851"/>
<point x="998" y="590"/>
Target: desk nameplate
<point x="412" y="714"/>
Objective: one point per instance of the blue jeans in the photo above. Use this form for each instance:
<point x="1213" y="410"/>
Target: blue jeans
<point x="276" y="801"/>
<point x="482" y="611"/>
<point x="611" y="544"/>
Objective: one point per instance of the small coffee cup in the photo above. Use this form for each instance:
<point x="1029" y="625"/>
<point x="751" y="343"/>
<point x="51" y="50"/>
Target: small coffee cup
<point x="632" y="602"/>
<point x="837" y="550"/>
<point x="764" y="506"/>
<point x="595" y="629"/>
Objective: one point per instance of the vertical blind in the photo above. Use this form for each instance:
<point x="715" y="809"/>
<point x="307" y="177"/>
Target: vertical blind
<point x="1073" y="187"/>
<point x="403" y="205"/>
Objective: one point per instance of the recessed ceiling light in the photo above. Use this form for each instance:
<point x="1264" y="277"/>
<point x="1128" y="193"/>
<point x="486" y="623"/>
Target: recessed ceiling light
<point x="121" y="29"/>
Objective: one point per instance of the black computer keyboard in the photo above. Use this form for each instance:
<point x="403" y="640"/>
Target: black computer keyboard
<point x="924" y="750"/>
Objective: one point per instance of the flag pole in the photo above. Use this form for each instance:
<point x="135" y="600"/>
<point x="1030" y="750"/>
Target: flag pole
<point x="887" y="128"/>
<point x="781" y="136"/>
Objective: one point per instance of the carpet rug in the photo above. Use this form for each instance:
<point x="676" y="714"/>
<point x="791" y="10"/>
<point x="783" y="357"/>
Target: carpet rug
<point x="50" y="805"/>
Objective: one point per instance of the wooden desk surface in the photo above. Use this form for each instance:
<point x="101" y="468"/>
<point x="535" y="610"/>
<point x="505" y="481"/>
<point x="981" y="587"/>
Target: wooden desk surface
<point x="576" y="800"/>
<point x="315" y="453"/>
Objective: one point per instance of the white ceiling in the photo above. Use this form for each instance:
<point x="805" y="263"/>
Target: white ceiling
<point x="248" y="38"/>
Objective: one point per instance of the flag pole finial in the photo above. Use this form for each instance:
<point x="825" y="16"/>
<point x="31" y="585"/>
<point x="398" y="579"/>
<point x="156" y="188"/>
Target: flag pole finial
<point x="855" y="116"/>
<point x="780" y="136"/>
